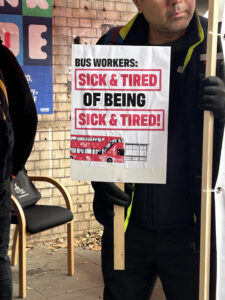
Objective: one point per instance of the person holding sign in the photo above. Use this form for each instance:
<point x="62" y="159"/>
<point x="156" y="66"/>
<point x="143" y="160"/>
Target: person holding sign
<point x="163" y="234"/>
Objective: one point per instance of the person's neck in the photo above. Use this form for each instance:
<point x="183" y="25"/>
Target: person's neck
<point x="159" y="38"/>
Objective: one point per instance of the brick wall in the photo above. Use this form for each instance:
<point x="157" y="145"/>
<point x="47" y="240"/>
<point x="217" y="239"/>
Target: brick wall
<point x="84" y="20"/>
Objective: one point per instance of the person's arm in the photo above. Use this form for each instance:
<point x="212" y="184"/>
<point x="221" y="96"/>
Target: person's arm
<point x="212" y="98"/>
<point x="106" y="195"/>
<point x="22" y="108"/>
<point x="101" y="40"/>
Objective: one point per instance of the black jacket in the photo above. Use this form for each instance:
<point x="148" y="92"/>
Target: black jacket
<point x="22" y="110"/>
<point x="177" y="202"/>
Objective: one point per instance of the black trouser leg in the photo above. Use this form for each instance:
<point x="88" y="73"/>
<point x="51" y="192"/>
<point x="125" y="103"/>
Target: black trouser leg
<point x="178" y="264"/>
<point x="5" y="220"/>
<point x="138" y="279"/>
<point x="172" y="254"/>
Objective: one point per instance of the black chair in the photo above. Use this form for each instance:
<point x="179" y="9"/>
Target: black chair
<point x="36" y="218"/>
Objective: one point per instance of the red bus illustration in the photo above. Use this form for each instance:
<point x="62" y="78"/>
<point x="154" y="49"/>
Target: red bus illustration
<point x="97" y="148"/>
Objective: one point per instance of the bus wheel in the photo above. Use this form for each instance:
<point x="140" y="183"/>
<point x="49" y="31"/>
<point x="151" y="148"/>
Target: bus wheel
<point x="109" y="160"/>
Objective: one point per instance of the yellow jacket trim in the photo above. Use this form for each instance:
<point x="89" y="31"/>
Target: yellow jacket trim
<point x="2" y="86"/>
<point x="191" y="49"/>
<point x="129" y="211"/>
<point x="125" y="29"/>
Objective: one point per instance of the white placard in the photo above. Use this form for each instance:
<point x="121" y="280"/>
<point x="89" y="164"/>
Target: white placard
<point x="119" y="113"/>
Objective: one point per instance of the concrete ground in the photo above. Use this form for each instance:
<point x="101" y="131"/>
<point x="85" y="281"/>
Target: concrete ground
<point x="47" y="276"/>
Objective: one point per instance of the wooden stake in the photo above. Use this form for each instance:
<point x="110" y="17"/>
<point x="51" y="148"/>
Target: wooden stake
<point x="207" y="158"/>
<point x="119" y="241"/>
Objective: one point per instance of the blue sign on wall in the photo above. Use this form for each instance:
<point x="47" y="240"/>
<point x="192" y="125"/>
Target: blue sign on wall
<point x="26" y="29"/>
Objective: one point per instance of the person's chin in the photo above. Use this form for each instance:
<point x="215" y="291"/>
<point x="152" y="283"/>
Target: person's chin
<point x="179" y="24"/>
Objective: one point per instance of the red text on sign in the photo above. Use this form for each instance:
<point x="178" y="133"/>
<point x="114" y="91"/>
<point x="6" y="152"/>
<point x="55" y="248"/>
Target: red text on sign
<point x="140" y="120"/>
<point x="134" y="80"/>
<point x="92" y="79"/>
<point x="92" y="119"/>
<point x="121" y="80"/>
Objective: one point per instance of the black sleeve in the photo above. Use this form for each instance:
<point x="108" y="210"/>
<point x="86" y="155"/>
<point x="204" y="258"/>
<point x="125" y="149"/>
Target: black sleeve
<point x="22" y="108"/>
<point x="101" y="40"/>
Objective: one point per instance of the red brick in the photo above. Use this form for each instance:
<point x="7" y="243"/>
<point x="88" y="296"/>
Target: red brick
<point x="60" y="69"/>
<point x="100" y="14"/>
<point x="60" y="21"/>
<point x="82" y="13"/>
<point x="61" y="59"/>
<point x="97" y="4"/>
<point x="73" y="22"/>
<point x="62" y="50"/>
<point x="60" y="40"/>
<point x="58" y="30"/>
<point x="86" y="41"/>
<point x="61" y="3"/>
<point x="121" y="6"/>
<point x="95" y="23"/>
<point x="85" y="22"/>
<point x="74" y="3"/>
<point x="112" y="15"/>
<point x="88" y="32"/>
<point x="130" y="7"/>
<point x="108" y="5"/>
<point x="62" y="12"/>
<point x="85" y="4"/>
<point x="126" y="16"/>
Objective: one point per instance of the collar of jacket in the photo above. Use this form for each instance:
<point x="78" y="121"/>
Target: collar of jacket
<point x="135" y="32"/>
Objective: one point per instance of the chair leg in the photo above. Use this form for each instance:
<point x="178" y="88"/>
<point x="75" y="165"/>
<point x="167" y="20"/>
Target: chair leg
<point x="22" y="263"/>
<point x="70" y="248"/>
<point x="15" y="247"/>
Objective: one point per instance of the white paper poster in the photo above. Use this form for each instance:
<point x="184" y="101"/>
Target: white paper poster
<point x="119" y="113"/>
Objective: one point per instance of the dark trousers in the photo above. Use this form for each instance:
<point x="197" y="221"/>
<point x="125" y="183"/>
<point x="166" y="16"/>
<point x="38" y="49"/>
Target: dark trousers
<point x="170" y="254"/>
<point x="5" y="220"/>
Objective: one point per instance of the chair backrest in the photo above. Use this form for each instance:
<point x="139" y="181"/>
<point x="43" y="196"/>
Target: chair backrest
<point x="24" y="190"/>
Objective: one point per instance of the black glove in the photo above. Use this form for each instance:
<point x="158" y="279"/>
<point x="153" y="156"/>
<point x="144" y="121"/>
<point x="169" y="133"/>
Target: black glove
<point x="111" y="193"/>
<point x="212" y="97"/>
<point x="106" y="195"/>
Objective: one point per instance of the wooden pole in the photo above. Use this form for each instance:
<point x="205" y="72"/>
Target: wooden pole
<point x="207" y="158"/>
<point x="119" y="241"/>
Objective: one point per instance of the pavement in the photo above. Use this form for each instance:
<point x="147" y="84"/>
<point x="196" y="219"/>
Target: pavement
<point x="47" y="276"/>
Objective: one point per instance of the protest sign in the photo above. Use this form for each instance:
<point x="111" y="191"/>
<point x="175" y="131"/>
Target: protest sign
<point x="119" y="113"/>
